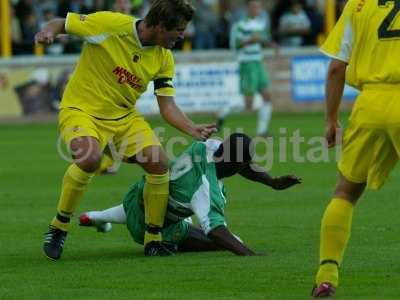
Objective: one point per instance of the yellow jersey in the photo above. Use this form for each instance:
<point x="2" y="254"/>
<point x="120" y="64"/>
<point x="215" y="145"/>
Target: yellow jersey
<point x="367" y="37"/>
<point x="114" y="68"/>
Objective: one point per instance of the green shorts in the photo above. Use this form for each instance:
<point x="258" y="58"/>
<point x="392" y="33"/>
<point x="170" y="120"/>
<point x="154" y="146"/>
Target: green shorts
<point x="254" y="77"/>
<point x="133" y="206"/>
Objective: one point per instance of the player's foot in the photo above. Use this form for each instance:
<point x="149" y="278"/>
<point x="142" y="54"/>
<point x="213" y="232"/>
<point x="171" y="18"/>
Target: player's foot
<point x="85" y="220"/>
<point x="156" y="248"/>
<point x="324" y="290"/>
<point x="54" y="243"/>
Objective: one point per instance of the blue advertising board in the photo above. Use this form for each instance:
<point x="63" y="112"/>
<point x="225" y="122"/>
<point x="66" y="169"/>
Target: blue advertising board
<point x="308" y="79"/>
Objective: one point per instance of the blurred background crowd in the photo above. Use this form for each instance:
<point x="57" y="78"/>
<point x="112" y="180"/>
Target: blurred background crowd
<point x="292" y="23"/>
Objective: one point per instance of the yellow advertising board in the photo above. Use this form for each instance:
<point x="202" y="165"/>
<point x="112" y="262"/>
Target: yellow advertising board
<point x="30" y="90"/>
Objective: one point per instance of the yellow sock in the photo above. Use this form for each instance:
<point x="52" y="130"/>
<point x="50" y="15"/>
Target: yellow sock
<point x="335" y="233"/>
<point x="73" y="187"/>
<point x="155" y="196"/>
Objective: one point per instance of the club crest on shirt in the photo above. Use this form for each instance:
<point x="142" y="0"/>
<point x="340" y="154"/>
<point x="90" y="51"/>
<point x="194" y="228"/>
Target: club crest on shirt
<point x="136" y="57"/>
<point x="82" y="18"/>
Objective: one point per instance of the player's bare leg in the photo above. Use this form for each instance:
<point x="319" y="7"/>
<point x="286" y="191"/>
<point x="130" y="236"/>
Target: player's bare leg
<point x="155" y="195"/>
<point x="87" y="156"/>
<point x="264" y="114"/>
<point x="335" y="233"/>
<point x="248" y="102"/>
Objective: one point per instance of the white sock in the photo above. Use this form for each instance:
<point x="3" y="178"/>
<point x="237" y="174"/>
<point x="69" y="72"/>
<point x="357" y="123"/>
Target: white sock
<point x="264" y="117"/>
<point x="114" y="215"/>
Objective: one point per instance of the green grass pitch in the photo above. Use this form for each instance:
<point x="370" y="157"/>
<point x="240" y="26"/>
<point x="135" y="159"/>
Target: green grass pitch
<point x="110" y="266"/>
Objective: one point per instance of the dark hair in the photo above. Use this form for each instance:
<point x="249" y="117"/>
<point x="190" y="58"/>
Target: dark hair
<point x="237" y="148"/>
<point x="169" y="13"/>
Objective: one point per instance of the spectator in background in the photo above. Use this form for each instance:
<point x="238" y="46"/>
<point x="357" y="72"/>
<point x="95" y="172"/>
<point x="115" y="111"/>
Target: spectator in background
<point x="205" y="21"/>
<point x="294" y="25"/>
<point x="23" y="8"/>
<point x="55" y="48"/>
<point x="45" y="6"/>
<point x="76" y="6"/>
<point x="71" y="43"/>
<point x="224" y="23"/>
<point x="16" y="34"/>
<point x="27" y="22"/>
<point x="98" y="5"/>
<point x="313" y="11"/>
<point x="123" y="6"/>
<point x="48" y="14"/>
<point x="29" y="25"/>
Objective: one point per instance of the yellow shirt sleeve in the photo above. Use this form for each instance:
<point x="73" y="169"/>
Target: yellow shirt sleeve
<point x="339" y="43"/>
<point x="96" y="27"/>
<point x="163" y="82"/>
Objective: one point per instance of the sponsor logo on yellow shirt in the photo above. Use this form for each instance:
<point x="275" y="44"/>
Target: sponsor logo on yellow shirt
<point x="126" y="77"/>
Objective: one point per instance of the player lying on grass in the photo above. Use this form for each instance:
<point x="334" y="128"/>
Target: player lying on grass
<point x="195" y="189"/>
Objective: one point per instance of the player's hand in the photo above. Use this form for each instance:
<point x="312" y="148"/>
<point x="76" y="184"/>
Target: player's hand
<point x="44" y="37"/>
<point x="204" y="131"/>
<point x="333" y="128"/>
<point x="284" y="182"/>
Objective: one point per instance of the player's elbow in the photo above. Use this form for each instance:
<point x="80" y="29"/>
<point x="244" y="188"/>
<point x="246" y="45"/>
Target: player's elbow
<point x="216" y="233"/>
<point x="337" y="68"/>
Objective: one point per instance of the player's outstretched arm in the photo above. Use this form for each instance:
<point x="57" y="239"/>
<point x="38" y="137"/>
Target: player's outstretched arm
<point x="174" y="116"/>
<point x="255" y="173"/>
<point x="50" y="31"/>
<point x="222" y="237"/>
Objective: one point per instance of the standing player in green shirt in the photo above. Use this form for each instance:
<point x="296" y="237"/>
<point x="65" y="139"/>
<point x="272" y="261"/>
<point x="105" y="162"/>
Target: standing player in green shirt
<point x="195" y="189"/>
<point x="248" y="37"/>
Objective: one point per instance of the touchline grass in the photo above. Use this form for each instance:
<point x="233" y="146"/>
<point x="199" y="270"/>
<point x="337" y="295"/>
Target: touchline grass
<point x="283" y="225"/>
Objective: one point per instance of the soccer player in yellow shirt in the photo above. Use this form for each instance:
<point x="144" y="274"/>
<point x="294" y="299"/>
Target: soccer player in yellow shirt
<point x="363" y="46"/>
<point x="121" y="55"/>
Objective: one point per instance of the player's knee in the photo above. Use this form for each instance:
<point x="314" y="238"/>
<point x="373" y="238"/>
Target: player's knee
<point x="266" y="96"/>
<point x="159" y="168"/>
<point x="90" y="163"/>
<point x="157" y="161"/>
<point x="348" y="190"/>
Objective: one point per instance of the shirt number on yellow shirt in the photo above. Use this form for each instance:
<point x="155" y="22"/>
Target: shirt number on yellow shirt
<point x="384" y="32"/>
